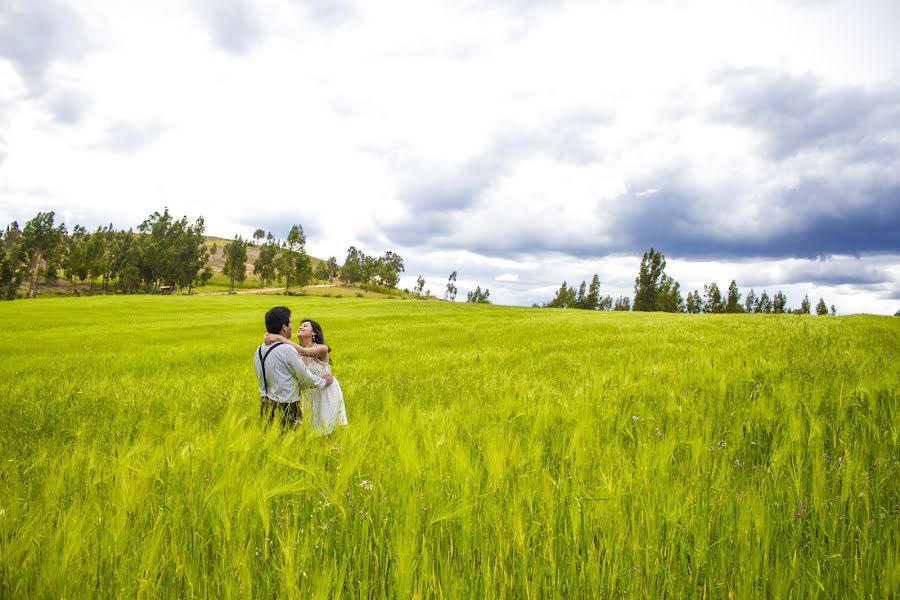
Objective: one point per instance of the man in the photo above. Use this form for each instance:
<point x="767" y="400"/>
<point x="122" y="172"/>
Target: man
<point x="281" y="373"/>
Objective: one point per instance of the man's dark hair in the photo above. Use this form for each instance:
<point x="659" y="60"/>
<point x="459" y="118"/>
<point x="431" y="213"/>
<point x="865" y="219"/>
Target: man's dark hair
<point x="277" y="318"/>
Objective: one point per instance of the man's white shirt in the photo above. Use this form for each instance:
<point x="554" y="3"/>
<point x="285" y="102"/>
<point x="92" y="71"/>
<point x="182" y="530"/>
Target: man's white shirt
<point x="285" y="374"/>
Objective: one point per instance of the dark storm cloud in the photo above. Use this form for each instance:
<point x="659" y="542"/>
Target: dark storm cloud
<point x="37" y="33"/>
<point x="850" y="210"/>
<point x="800" y="114"/>
<point x="814" y="219"/>
<point x="234" y="26"/>
<point x="129" y="136"/>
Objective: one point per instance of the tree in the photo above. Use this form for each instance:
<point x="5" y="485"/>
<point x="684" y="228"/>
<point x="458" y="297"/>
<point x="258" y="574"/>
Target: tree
<point x="647" y="283"/>
<point x="42" y="244"/>
<point x="565" y="297"/>
<point x="833" y="311"/>
<point x="479" y="297"/>
<point x="264" y="265"/>
<point x="235" y="260"/>
<point x="294" y="265"/>
<point x="750" y="302"/>
<point x="116" y="256"/>
<point x="351" y="272"/>
<point x="733" y="301"/>
<point x="191" y="268"/>
<point x="12" y="261"/>
<point x="368" y="270"/>
<point x="258" y="235"/>
<point x="420" y="284"/>
<point x="333" y="268"/>
<point x="821" y="307"/>
<point x="669" y="298"/>
<point x="622" y="303"/>
<point x="779" y="302"/>
<point x="694" y="303"/>
<point x="804" y="306"/>
<point x="581" y="297"/>
<point x="153" y="251"/>
<point x="763" y="304"/>
<point x="593" y="301"/>
<point x="450" y="293"/>
<point x="74" y="264"/>
<point x="713" y="303"/>
<point x="389" y="268"/>
<point x="109" y="255"/>
<point x="321" y="271"/>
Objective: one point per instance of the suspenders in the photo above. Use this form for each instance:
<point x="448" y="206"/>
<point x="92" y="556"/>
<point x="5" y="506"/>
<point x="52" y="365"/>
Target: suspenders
<point x="262" y="362"/>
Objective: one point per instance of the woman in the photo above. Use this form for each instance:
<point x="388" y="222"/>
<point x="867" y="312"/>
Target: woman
<point x="325" y="407"/>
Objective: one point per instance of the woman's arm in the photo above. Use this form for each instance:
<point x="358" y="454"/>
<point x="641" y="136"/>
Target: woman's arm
<point x="272" y="338"/>
<point x="319" y="351"/>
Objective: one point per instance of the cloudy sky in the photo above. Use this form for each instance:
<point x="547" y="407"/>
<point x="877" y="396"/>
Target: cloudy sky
<point x="518" y="142"/>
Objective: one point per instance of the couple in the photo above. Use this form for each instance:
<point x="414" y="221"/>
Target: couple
<point x="283" y="367"/>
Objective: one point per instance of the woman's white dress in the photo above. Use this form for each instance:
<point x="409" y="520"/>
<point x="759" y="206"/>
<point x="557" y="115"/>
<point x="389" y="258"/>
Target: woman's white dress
<point x="325" y="407"/>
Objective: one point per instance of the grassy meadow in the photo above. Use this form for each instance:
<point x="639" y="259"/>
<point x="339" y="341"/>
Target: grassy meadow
<point x="492" y="452"/>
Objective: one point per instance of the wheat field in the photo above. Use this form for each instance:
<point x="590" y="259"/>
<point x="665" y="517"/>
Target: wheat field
<point x="492" y="452"/>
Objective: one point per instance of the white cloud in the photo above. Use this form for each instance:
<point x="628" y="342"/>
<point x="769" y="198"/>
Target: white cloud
<point x="545" y="141"/>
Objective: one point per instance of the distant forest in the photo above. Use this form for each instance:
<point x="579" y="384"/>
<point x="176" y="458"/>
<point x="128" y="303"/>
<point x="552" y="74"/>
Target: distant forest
<point x="165" y="255"/>
<point x="654" y="291"/>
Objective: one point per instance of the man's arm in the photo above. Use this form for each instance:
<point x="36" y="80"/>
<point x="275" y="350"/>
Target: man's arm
<point x="300" y="370"/>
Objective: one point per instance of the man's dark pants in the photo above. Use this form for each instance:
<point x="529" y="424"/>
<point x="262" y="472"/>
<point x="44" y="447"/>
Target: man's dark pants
<point x="288" y="413"/>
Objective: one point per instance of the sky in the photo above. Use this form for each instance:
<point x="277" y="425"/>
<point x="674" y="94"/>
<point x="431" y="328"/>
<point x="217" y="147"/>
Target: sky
<point x="518" y="143"/>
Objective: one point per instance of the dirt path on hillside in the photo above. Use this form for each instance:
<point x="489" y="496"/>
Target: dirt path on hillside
<point x="254" y="291"/>
<point x="226" y="292"/>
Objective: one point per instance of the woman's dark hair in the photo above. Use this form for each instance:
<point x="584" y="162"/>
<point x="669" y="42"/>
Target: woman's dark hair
<point x="318" y="336"/>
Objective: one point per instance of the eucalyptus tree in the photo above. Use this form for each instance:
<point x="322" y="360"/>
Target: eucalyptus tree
<point x="235" y="261"/>
<point x="389" y="268"/>
<point x="43" y="245"/>
<point x="733" y="300"/>
<point x="264" y="265"/>
<point x="293" y="265"/>
<point x="713" y="302"/>
<point x="450" y="292"/>
<point x="779" y="302"/>
<point x="479" y="297"/>
<point x="13" y="266"/>
<point x="75" y="262"/>
<point x="653" y="289"/>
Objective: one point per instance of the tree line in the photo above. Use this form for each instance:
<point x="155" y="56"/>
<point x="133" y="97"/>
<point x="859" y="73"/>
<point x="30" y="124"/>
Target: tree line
<point x="656" y="291"/>
<point x="165" y="255"/>
<point x="162" y="252"/>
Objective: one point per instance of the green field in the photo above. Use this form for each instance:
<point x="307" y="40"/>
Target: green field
<point x="492" y="452"/>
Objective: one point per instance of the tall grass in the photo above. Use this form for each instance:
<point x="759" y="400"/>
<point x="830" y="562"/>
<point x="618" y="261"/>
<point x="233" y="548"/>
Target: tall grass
<point x="491" y="452"/>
